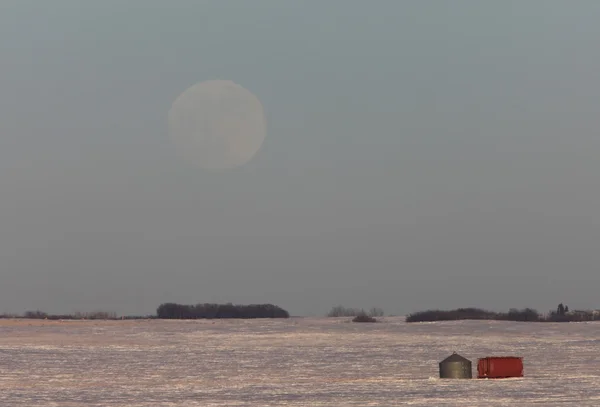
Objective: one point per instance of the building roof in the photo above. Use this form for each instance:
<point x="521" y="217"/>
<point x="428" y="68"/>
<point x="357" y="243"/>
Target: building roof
<point x="455" y="357"/>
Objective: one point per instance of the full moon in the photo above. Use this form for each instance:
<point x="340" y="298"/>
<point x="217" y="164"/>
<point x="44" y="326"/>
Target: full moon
<point x="217" y="124"/>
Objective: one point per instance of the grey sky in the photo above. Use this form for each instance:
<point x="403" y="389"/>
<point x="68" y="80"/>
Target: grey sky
<point x="419" y="154"/>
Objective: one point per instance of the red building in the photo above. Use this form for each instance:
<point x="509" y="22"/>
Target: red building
<point x="499" y="367"/>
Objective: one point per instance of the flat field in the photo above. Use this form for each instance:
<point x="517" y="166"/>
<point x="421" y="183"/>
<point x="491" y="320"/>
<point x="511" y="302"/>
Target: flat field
<point x="294" y="362"/>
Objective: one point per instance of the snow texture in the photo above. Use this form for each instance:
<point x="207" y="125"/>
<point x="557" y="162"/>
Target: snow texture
<point x="296" y="362"/>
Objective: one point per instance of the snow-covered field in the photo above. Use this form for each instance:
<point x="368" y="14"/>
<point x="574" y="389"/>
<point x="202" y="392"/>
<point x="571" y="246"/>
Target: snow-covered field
<point x="295" y="362"/>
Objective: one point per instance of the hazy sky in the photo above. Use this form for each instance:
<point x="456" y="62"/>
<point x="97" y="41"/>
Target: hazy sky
<point x="419" y="154"/>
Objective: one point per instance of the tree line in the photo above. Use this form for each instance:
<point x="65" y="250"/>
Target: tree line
<point x="561" y="314"/>
<point x="171" y="311"/>
<point x="214" y="311"/>
<point x="229" y="310"/>
<point x="93" y="315"/>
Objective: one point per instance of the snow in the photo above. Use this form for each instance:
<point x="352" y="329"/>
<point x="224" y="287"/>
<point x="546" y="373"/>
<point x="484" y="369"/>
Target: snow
<point x="295" y="362"/>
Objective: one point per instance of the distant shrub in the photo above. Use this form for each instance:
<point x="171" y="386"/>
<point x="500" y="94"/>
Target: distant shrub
<point x="132" y="317"/>
<point x="35" y="315"/>
<point x="524" y="315"/>
<point x="95" y="315"/>
<point x="363" y="318"/>
<point x="340" y="311"/>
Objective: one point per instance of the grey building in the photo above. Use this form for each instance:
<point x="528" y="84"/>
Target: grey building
<point x="456" y="367"/>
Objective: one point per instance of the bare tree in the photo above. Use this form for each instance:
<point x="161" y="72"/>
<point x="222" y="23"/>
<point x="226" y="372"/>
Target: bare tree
<point x="376" y="312"/>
